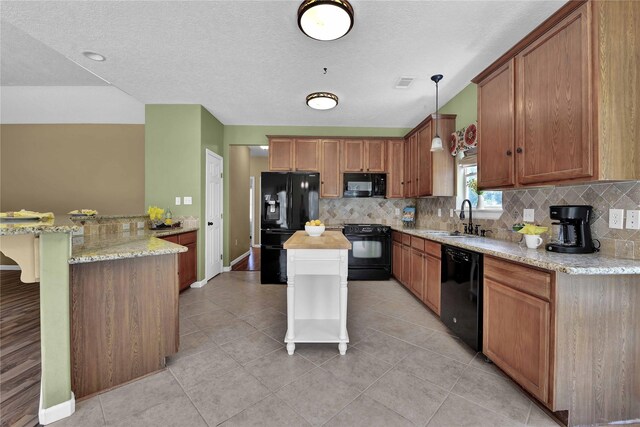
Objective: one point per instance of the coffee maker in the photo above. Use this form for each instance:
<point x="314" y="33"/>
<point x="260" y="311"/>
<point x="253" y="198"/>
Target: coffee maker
<point x="572" y="231"/>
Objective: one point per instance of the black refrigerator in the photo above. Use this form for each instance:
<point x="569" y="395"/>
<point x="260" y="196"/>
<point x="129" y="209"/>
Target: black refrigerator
<point x="288" y="201"/>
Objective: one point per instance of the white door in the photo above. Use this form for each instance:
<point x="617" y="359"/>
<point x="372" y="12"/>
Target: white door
<point x="213" y="234"/>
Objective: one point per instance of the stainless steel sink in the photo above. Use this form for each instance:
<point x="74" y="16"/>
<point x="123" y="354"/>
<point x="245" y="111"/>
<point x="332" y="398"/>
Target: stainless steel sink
<point x="450" y="234"/>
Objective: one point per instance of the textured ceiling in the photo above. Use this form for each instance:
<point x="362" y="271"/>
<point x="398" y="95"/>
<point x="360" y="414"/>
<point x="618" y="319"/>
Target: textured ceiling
<point x="248" y="63"/>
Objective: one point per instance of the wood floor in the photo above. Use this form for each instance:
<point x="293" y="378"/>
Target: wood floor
<point x="19" y="350"/>
<point x="250" y="263"/>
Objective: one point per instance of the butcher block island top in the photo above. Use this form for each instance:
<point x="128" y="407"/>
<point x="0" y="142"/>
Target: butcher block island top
<point x="328" y="240"/>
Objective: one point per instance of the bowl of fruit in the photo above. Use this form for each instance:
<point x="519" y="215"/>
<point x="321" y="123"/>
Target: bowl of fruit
<point x="314" y="228"/>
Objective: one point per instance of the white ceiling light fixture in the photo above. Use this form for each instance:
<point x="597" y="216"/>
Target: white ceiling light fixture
<point x="436" y="142"/>
<point x="322" y="100"/>
<point x="94" y="56"/>
<point x="325" y="19"/>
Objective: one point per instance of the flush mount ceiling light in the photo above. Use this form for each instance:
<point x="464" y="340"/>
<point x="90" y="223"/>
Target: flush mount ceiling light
<point x="325" y="19"/>
<point x="322" y="100"/>
<point x="436" y="142"/>
<point x="94" y="56"/>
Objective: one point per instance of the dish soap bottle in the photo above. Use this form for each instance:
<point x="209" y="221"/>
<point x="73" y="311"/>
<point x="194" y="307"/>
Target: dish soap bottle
<point x="167" y="217"/>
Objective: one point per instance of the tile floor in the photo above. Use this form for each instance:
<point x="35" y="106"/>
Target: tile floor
<point x="401" y="368"/>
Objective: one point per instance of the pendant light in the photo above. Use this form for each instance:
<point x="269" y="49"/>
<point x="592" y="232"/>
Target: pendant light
<point x="436" y="142"/>
<point x="322" y="100"/>
<point x="325" y="19"/>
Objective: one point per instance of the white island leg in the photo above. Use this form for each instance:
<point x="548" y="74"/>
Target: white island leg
<point x="291" y="346"/>
<point x="342" y="347"/>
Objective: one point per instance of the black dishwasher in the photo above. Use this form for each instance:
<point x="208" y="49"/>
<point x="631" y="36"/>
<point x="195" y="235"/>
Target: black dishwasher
<point x="461" y="294"/>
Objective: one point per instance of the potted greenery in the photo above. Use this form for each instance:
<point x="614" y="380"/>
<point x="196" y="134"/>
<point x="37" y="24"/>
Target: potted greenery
<point x="473" y="186"/>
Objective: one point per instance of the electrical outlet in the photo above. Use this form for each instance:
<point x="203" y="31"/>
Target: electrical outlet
<point x="236" y="242"/>
<point x="528" y="215"/>
<point x="125" y="227"/>
<point x="188" y="200"/>
<point x="451" y="212"/>
<point x="616" y="216"/>
<point x="633" y="219"/>
<point x="439" y="212"/>
<point x="397" y="211"/>
<point x="178" y="201"/>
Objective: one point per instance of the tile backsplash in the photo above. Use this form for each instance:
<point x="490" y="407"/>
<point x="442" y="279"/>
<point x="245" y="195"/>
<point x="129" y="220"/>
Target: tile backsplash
<point x="602" y="196"/>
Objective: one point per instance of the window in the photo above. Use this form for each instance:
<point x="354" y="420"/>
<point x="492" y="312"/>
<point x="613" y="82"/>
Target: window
<point x="492" y="199"/>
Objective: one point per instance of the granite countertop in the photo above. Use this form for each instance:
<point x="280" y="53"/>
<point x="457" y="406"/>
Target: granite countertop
<point x="584" y="264"/>
<point x="60" y="224"/>
<point x="97" y="217"/>
<point x="328" y="240"/>
<point x="134" y="244"/>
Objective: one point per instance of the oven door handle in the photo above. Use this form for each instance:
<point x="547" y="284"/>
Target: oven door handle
<point x="273" y="247"/>
<point x="365" y="235"/>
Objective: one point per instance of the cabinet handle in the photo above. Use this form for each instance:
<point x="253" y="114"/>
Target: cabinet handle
<point x="519" y="150"/>
<point x="509" y="152"/>
<point x="402" y="183"/>
<point x="209" y="223"/>
<point x="322" y="182"/>
<point x="361" y="169"/>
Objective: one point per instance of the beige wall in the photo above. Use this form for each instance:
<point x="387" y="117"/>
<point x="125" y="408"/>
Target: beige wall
<point x="257" y="166"/>
<point x="239" y="241"/>
<point x="61" y="167"/>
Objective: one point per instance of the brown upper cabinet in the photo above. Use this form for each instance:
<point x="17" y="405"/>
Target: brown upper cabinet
<point x="294" y="154"/>
<point x="330" y="182"/>
<point x="306" y="155"/>
<point x="429" y="173"/>
<point x="281" y="154"/>
<point x="395" y="169"/>
<point x="559" y="106"/>
<point x="363" y="155"/>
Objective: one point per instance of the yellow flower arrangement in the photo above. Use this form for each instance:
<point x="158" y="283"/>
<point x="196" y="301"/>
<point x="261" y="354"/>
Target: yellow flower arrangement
<point x="155" y="213"/>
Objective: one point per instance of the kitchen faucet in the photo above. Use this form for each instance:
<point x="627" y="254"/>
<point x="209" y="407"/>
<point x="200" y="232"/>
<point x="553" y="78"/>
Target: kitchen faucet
<point x="468" y="229"/>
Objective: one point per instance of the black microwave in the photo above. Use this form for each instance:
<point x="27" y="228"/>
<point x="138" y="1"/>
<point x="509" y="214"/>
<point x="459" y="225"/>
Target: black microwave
<point x="365" y="185"/>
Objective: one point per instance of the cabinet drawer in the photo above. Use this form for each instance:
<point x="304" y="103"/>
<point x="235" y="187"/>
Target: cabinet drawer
<point x="397" y="236"/>
<point x="186" y="238"/>
<point x="526" y="279"/>
<point x="406" y="239"/>
<point x="433" y="248"/>
<point x="417" y="243"/>
<point x="172" y="239"/>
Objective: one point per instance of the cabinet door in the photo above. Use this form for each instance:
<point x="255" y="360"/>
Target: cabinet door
<point x="516" y="336"/>
<point x="330" y="168"/>
<point x="417" y="273"/>
<point x="353" y="155"/>
<point x="395" y="169"/>
<point x="432" y="284"/>
<point x="496" y="129"/>
<point x="307" y="155"/>
<point x="410" y="165"/>
<point x="423" y="165"/>
<point x="396" y="260"/>
<point x="281" y="154"/>
<point x="554" y="141"/>
<point x="187" y="264"/>
<point x="406" y="266"/>
<point x="375" y="155"/>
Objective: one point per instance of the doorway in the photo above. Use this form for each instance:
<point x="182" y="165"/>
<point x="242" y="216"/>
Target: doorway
<point x="213" y="212"/>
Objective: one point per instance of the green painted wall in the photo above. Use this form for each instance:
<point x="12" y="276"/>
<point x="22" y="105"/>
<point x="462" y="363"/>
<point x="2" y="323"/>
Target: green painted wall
<point x="465" y="105"/>
<point x="256" y="135"/>
<point x="176" y="137"/>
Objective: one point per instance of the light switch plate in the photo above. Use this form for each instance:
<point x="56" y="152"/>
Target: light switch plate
<point x="616" y="217"/>
<point x="633" y="219"/>
<point x="187" y="200"/>
<point x="178" y="201"/>
<point x="439" y="212"/>
<point x="528" y="215"/>
<point x="125" y="227"/>
<point x="397" y="211"/>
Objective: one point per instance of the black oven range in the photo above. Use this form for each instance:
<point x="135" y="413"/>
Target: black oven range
<point x="370" y="255"/>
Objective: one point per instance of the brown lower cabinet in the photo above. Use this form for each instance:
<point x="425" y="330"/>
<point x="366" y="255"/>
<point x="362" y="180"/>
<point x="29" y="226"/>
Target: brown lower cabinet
<point x="416" y="265"/>
<point x="187" y="261"/>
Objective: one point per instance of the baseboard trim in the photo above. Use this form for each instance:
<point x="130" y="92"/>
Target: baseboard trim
<point x="256" y="246"/>
<point x="226" y="269"/>
<point x="10" y="267"/>
<point x="240" y="258"/>
<point x="199" y="283"/>
<point x="56" y="412"/>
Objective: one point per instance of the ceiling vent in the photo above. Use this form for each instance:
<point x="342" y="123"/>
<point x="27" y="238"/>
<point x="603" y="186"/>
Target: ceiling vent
<point x="404" y="82"/>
